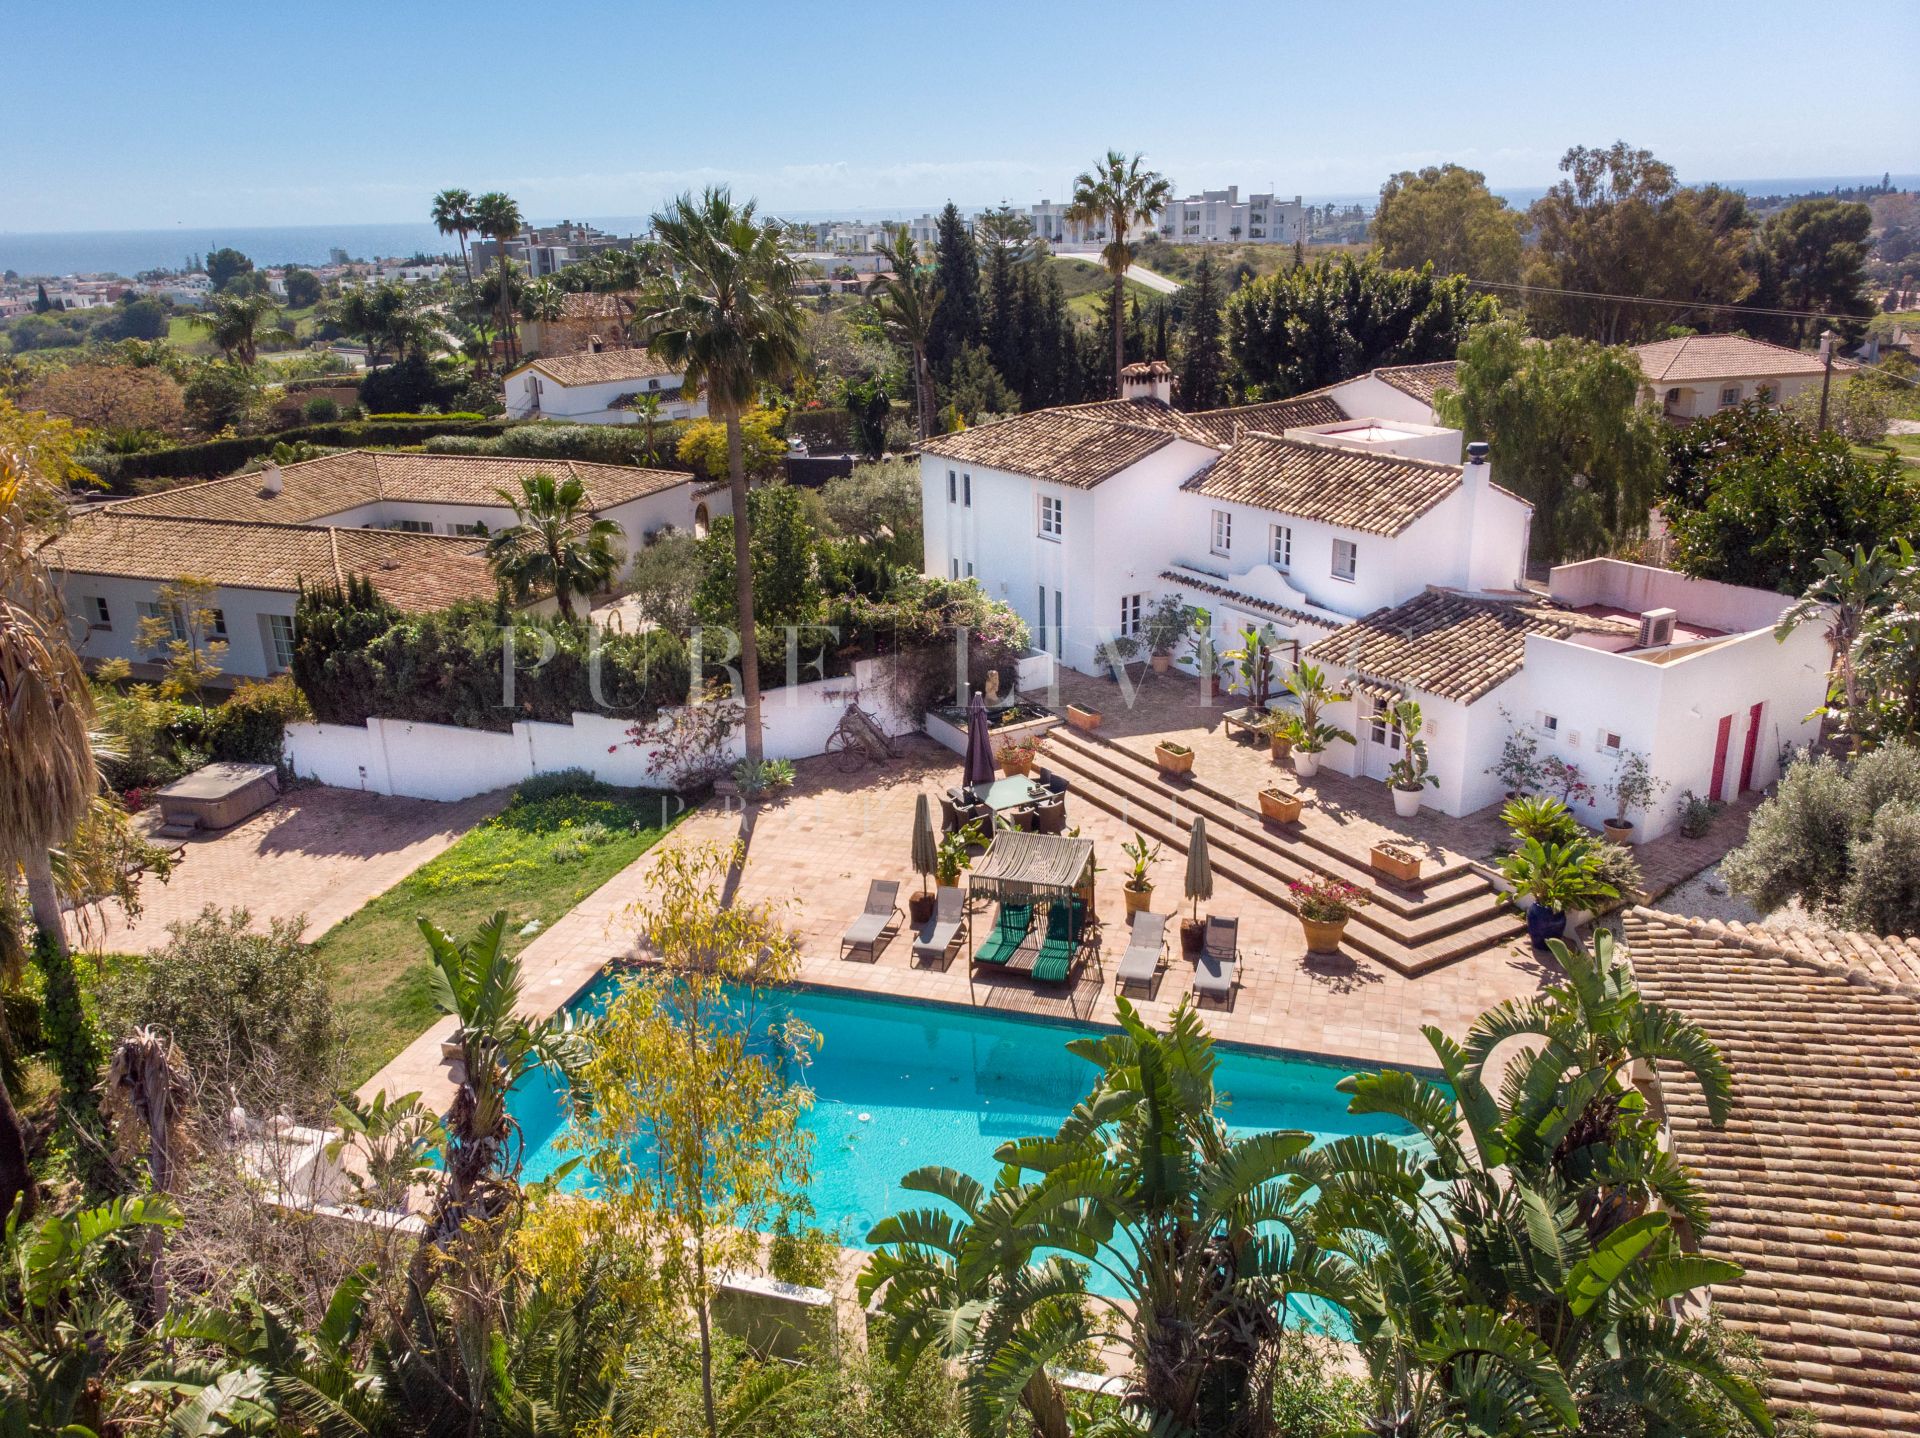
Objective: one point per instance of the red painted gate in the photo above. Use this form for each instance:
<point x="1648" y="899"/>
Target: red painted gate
<point x="1720" y="743"/>
<point x="1752" y="749"/>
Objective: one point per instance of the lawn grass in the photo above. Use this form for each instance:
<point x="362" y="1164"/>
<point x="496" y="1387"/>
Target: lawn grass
<point x="1088" y="287"/>
<point x="536" y="859"/>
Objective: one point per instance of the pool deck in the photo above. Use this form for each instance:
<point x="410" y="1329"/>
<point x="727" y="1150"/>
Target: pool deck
<point x="813" y="854"/>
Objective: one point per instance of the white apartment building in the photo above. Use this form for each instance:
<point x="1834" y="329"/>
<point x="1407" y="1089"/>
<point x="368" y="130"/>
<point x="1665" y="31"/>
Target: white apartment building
<point x="1359" y="541"/>
<point x="1221" y="217"/>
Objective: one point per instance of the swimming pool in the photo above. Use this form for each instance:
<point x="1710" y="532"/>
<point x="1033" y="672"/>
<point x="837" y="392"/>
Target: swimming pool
<point x="899" y="1086"/>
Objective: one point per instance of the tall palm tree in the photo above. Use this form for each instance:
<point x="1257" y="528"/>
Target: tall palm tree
<point x="906" y="297"/>
<point x="555" y="543"/>
<point x="236" y="322"/>
<point x="723" y="312"/>
<point x="453" y="215"/>
<point x="543" y="300"/>
<point x="47" y="771"/>
<point x="648" y="407"/>
<point x="498" y="218"/>
<point x="1115" y="195"/>
<point x="1845" y="591"/>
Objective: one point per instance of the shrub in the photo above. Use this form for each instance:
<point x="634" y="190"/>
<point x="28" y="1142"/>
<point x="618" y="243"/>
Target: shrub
<point x="252" y="1015"/>
<point x="1882" y="893"/>
<point x="251" y="727"/>
<point x="560" y="781"/>
<point x="1797" y="841"/>
<point x="321" y="409"/>
<point x="1696" y="814"/>
<point x="595" y="443"/>
<point x="405" y="388"/>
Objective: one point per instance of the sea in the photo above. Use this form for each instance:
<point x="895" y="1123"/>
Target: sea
<point x="129" y="252"/>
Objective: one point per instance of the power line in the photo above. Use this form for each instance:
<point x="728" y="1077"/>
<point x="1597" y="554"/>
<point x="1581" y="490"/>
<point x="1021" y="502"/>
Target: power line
<point x="1665" y="304"/>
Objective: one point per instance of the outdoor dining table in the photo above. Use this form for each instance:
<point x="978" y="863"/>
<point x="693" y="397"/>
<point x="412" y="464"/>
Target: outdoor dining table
<point x="1016" y="791"/>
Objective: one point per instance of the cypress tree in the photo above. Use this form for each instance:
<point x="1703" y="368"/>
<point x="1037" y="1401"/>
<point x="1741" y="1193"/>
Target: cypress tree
<point x="958" y="321"/>
<point x="1203" y="364"/>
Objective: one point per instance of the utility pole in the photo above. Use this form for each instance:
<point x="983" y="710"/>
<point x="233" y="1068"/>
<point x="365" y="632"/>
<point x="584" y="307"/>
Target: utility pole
<point x="1826" y="374"/>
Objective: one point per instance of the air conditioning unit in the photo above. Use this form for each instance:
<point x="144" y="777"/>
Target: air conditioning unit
<point x="1656" y="628"/>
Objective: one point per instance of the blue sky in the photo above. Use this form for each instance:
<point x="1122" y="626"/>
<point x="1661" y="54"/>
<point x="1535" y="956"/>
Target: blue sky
<point x="136" y="115"/>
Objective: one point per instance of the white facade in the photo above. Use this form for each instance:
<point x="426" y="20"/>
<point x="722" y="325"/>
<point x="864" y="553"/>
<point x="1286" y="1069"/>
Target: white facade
<point x="1221" y="217"/>
<point x="258" y="623"/>
<point x="531" y="394"/>
<point x="1696" y="399"/>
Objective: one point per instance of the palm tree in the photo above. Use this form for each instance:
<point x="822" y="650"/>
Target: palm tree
<point x="906" y="298"/>
<point x="386" y="317"/>
<point x="498" y="218"/>
<point x="453" y="215"/>
<point x="555" y="543"/>
<point x="543" y="300"/>
<point x="1848" y="589"/>
<point x="235" y="323"/>
<point x="647" y="407"/>
<point x="1116" y="194"/>
<point x="723" y="312"/>
<point x="1204" y="1237"/>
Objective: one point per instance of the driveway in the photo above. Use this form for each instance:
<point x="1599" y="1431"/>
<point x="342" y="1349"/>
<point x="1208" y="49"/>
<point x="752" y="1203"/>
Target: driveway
<point x="314" y="851"/>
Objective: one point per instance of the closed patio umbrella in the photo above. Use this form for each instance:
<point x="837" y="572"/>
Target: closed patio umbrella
<point x="1199" y="866"/>
<point x="925" y="854"/>
<point x="979" y="743"/>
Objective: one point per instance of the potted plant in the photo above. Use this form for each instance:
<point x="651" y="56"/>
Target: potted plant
<point x="1206" y="662"/>
<point x="1163" y="625"/>
<point x="1019" y="756"/>
<point x="1325" y="905"/>
<point x="1407" y="776"/>
<point x="1278" y="805"/>
<point x="1542" y="817"/>
<point x="1552" y="878"/>
<point x="1173" y="758"/>
<point x="1114" y="654"/>
<point x="1276" y="724"/>
<point x="1518" y="769"/>
<point x="956" y="853"/>
<point x="1400" y="864"/>
<point x="1633" y="789"/>
<point x="1310" y="735"/>
<point x="1254" y="659"/>
<point x="1082" y="718"/>
<point x="1139" y="888"/>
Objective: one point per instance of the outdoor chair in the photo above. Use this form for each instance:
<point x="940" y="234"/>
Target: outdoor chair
<point x="1051" y="817"/>
<point x="1055" y="960"/>
<point x="1216" y="970"/>
<point x="1145" y="948"/>
<point x="936" y="941"/>
<point x="1055" y="783"/>
<point x="949" y="815"/>
<point x="1010" y="927"/>
<point x="876" y="922"/>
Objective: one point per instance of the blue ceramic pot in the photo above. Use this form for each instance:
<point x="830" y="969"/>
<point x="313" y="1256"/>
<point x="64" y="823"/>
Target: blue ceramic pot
<point x="1544" y="923"/>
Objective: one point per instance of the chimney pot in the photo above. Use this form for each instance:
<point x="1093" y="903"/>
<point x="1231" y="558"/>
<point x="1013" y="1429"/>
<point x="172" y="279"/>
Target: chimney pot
<point x="1477" y="452"/>
<point x="270" y="481"/>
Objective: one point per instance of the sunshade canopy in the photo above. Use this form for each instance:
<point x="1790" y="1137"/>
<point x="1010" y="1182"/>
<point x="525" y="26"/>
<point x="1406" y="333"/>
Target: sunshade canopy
<point x="1022" y="863"/>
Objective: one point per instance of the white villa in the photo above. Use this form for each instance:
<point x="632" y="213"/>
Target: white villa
<point x="598" y="386"/>
<point x="1695" y="376"/>
<point x="415" y="524"/>
<point x="1344" y="525"/>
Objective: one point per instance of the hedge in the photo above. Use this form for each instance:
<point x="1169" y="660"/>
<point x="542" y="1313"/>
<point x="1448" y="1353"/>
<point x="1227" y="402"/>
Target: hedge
<point x="590" y="443"/>
<point x="213" y="458"/>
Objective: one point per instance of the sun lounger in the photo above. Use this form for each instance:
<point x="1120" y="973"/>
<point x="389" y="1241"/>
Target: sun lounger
<point x="879" y="919"/>
<point x="1217" y="969"/>
<point x="1055" y="960"/>
<point x="1010" y="926"/>
<point x="1144" y="950"/>
<point x="937" y="939"/>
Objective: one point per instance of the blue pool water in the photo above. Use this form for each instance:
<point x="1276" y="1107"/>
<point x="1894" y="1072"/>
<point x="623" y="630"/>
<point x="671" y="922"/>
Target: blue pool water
<point x="900" y="1086"/>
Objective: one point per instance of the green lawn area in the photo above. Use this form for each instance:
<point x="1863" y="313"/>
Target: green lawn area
<point x="183" y="333"/>
<point x="536" y="859"/>
<point x="1087" y="286"/>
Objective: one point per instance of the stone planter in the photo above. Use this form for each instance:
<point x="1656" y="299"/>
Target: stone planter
<point x="1323" y="936"/>
<point x="1193" y="933"/>
<point x="1618" y="831"/>
<point x="1136" y="899"/>
<point x="1305" y="763"/>
<point x="452" y="1046"/>
<point x="1173" y="758"/>
<point x="1085" y="720"/>
<point x="1406" y="802"/>
<point x="1279" y="806"/>
<point x="1578" y="919"/>
<point x="954" y="736"/>
<point x="920" y="908"/>
<point x="1017" y="763"/>
<point x="1395" y="863"/>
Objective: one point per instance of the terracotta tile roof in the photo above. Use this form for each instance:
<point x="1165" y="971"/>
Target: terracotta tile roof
<point x="1240" y="599"/>
<point x="1887" y="959"/>
<point x="1347" y="488"/>
<point x="414" y="571"/>
<point x="1054" y="444"/>
<point x="1698" y="357"/>
<point x="1448" y="645"/>
<point x="584" y="305"/>
<point x="1148" y="412"/>
<point x="1318" y="407"/>
<point x="335" y="483"/>
<point x="1421" y="381"/>
<point x="1814" y="1183"/>
<point x="591" y="367"/>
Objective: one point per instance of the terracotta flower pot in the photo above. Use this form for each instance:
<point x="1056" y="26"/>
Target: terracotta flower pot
<point x="1016" y="763"/>
<point x="1173" y="760"/>
<point x="1162" y="663"/>
<point x="1279" y="805"/>
<point x="920" y="907"/>
<point x="1083" y="719"/>
<point x="1395" y="863"/>
<point x="1280" y="747"/>
<point x="1323" y="937"/>
<point x="1137" y="899"/>
<point x="1618" y="831"/>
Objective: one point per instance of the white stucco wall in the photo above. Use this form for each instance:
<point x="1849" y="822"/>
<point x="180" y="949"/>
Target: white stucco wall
<point x="1696" y="399"/>
<point x="249" y="654"/>
<point x="590" y="403"/>
<point x="1365" y="395"/>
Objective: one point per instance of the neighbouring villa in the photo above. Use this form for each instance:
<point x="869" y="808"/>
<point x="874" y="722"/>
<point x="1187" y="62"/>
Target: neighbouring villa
<point x="414" y="524"/>
<point x="1343" y="525"/>
<point x="1697" y="375"/>
<point x="599" y="385"/>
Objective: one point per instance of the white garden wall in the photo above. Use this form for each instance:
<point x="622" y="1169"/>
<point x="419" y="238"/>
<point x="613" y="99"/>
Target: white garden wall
<point x="440" y="761"/>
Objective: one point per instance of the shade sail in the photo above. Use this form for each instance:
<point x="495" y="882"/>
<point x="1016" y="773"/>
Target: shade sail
<point x="1051" y="863"/>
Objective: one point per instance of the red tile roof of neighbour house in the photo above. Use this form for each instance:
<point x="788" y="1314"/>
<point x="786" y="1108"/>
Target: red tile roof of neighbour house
<point x="604" y="366"/>
<point x="1149" y="412"/>
<point x="1448" y="645"/>
<point x="1352" y="489"/>
<point x="1061" y="445"/>
<point x="335" y="483"/>
<point x="1421" y="381"/>
<point x="1709" y="357"/>
<point x="1813" y="1185"/>
<point x="413" y="571"/>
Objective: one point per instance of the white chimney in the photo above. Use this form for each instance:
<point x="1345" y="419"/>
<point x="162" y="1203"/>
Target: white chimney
<point x="1152" y="380"/>
<point x="270" y="481"/>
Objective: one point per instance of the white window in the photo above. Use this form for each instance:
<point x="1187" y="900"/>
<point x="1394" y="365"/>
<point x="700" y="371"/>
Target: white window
<point x="412" y="526"/>
<point x="953" y="487"/>
<point x="1549" y="723"/>
<point x="1346" y="559"/>
<point x="1380" y="727"/>
<point x="1609" y="742"/>
<point x="1053" y="515"/>
<point x="969" y="569"/>
<point x="956" y="567"/>
<point x="1730" y="395"/>
<point x="280" y="639"/>
<point x="98" y="615"/>
<point x="1223" y="531"/>
<point x="219" y="624"/>
<point x="966" y="491"/>
<point x="1130" y="615"/>
<point x="1280" y="545"/>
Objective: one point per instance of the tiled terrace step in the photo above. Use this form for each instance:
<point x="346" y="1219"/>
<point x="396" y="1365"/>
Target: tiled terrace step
<point x="1447" y="922"/>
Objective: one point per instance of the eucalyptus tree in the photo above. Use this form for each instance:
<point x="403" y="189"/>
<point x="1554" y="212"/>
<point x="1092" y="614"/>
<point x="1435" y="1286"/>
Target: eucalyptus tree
<point x="1115" y="195"/>
<point x="498" y="218"/>
<point x="555" y="543"/>
<point x="453" y="214"/>
<point x="723" y="311"/>
<point x="906" y="297"/>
